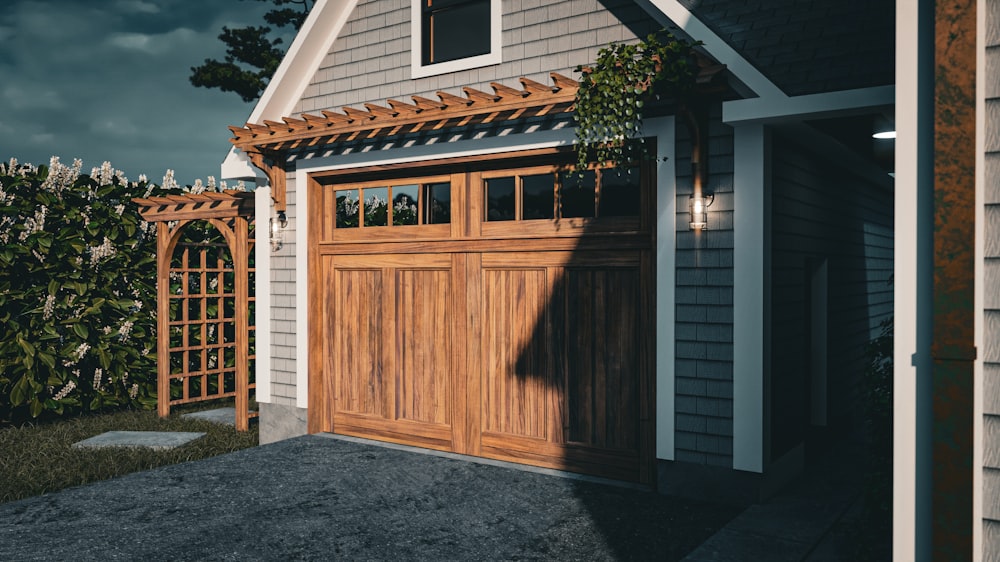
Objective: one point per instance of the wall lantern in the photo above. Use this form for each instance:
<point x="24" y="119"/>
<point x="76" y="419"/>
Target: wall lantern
<point x="698" y="209"/>
<point x="277" y="225"/>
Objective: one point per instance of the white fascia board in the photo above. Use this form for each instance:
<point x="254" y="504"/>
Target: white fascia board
<point x="715" y="46"/>
<point x="311" y="45"/>
<point x="761" y="110"/>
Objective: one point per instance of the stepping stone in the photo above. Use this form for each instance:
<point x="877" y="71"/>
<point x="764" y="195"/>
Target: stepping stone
<point x="224" y="416"/>
<point x="157" y="440"/>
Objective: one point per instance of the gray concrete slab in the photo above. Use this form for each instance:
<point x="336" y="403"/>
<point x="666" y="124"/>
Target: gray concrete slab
<point x="318" y="498"/>
<point x="224" y="416"/>
<point x="160" y="440"/>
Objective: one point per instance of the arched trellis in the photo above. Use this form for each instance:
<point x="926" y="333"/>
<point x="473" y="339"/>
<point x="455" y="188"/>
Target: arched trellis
<point x="203" y="337"/>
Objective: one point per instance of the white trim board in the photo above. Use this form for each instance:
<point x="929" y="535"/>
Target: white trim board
<point x="495" y="56"/>
<point x="262" y="294"/>
<point x="666" y="280"/>
<point x="757" y="110"/>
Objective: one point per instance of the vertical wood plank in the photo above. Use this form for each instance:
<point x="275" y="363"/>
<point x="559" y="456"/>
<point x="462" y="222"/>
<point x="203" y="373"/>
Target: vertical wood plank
<point x="320" y="398"/>
<point x="474" y="360"/>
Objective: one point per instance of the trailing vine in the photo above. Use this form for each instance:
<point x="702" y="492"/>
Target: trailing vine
<point x="614" y="90"/>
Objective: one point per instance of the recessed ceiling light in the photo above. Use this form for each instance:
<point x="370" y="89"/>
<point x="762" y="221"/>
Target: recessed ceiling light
<point x="884" y="135"/>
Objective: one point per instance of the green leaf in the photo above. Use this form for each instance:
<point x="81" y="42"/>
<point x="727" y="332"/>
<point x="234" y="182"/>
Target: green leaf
<point x="35" y="407"/>
<point x="29" y="350"/>
<point x="19" y="392"/>
<point x="81" y="330"/>
<point x="48" y="359"/>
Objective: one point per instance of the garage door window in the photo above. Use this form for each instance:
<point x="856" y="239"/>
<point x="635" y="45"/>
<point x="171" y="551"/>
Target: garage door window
<point x="551" y="195"/>
<point x="409" y="204"/>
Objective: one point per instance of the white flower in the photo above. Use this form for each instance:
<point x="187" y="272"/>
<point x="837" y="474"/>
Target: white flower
<point x="120" y="209"/>
<point x="125" y="330"/>
<point x="168" y="180"/>
<point x="81" y="350"/>
<point x="142" y="178"/>
<point x="48" y="308"/>
<point x="105" y="250"/>
<point x="197" y="187"/>
<point x="98" y="375"/>
<point x="134" y="391"/>
<point x="211" y="183"/>
<point x="104" y="174"/>
<point x="65" y="390"/>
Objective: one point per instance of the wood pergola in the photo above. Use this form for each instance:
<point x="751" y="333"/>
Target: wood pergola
<point x="203" y="346"/>
<point x="267" y="144"/>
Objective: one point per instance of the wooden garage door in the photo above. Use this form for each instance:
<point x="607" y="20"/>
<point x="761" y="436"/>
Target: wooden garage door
<point x="452" y="316"/>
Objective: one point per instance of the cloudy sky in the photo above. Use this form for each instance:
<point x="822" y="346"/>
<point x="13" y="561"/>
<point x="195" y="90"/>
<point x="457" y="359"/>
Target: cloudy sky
<point x="108" y="80"/>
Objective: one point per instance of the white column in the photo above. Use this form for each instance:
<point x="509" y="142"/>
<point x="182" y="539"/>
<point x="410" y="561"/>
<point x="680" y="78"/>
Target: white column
<point x="666" y="196"/>
<point x="751" y="298"/>
<point x="913" y="279"/>
<point x="262" y="292"/>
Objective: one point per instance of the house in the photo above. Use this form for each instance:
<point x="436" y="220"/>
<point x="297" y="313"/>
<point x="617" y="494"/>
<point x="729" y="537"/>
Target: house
<point x="513" y="311"/>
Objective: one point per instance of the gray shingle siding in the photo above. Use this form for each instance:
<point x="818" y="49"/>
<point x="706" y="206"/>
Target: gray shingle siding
<point x="370" y="60"/>
<point x="991" y="294"/>
<point x="822" y="211"/>
<point x="704" y="308"/>
<point x="808" y="46"/>
<point x="283" y="290"/>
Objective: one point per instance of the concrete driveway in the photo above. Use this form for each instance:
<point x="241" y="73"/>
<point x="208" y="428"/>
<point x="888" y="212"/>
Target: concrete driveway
<point x="325" y="498"/>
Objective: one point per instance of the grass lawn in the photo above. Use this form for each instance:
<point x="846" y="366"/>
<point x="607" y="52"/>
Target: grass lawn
<point x="37" y="459"/>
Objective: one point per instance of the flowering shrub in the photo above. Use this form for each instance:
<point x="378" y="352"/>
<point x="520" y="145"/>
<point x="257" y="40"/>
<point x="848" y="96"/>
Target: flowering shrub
<point x="77" y="291"/>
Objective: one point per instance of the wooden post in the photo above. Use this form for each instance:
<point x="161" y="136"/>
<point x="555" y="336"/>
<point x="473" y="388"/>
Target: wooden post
<point x="163" y="319"/>
<point x="240" y="253"/>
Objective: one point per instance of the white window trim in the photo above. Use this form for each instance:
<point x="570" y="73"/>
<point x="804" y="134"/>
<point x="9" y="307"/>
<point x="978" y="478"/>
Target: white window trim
<point x="418" y="70"/>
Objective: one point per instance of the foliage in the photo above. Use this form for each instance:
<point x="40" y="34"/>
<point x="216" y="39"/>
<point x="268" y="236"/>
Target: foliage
<point x="878" y="417"/>
<point x="77" y="292"/>
<point x="252" y="55"/>
<point x="614" y="91"/>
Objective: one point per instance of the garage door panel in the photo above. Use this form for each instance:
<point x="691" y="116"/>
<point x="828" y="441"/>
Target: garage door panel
<point x="515" y="350"/>
<point x="357" y="341"/>
<point x="602" y="328"/>
<point x="423" y="345"/>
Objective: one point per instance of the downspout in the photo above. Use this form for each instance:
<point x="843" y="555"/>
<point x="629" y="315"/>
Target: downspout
<point x="953" y="351"/>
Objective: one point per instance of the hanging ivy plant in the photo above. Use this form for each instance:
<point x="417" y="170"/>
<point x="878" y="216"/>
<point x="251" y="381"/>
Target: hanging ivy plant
<point x="614" y="90"/>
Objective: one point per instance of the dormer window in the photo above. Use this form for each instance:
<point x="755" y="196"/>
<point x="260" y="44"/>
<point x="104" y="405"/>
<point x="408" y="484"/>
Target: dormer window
<point x="453" y="35"/>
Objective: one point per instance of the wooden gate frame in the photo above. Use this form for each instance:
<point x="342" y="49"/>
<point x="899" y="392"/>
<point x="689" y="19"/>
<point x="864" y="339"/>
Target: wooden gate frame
<point x="231" y="213"/>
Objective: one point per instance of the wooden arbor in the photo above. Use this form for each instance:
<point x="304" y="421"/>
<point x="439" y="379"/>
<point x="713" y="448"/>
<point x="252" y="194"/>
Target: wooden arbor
<point x="204" y="300"/>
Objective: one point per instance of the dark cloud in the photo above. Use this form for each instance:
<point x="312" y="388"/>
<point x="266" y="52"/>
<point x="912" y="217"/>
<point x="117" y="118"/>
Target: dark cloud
<point x="109" y="81"/>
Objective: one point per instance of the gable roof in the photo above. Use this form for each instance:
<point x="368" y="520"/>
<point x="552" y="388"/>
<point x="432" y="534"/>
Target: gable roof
<point x="808" y="46"/>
